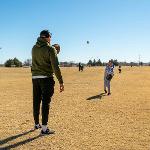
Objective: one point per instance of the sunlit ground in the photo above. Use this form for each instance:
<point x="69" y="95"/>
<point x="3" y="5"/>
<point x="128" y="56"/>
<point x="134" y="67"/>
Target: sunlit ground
<point x="82" y="116"/>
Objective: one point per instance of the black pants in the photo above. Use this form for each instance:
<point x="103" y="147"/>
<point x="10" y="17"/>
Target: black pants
<point x="43" y="89"/>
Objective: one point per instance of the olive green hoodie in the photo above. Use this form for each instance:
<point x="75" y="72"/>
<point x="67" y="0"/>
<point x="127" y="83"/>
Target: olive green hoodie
<point x="45" y="60"/>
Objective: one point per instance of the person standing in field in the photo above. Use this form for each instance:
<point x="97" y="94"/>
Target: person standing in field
<point x="79" y="66"/>
<point x="82" y="67"/>
<point x="109" y="73"/>
<point x="119" y="69"/>
<point x="44" y="65"/>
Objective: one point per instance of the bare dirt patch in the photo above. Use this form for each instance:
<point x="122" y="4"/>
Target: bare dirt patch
<point x="82" y="116"/>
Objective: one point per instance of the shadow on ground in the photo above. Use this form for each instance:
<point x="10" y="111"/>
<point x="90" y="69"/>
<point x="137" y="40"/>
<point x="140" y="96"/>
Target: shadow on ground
<point x="99" y="96"/>
<point x="4" y="141"/>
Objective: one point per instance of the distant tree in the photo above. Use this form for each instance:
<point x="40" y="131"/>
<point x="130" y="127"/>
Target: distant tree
<point x="99" y="63"/>
<point x="141" y="63"/>
<point x="90" y="63"/>
<point x="94" y="63"/>
<point x="9" y="63"/>
<point x="13" y="62"/>
<point x="115" y="62"/>
<point x="27" y="62"/>
<point x="17" y="63"/>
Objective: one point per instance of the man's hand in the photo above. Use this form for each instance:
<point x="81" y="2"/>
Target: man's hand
<point x="61" y="87"/>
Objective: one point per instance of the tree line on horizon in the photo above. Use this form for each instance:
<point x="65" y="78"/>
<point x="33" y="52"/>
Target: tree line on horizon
<point x="15" y="62"/>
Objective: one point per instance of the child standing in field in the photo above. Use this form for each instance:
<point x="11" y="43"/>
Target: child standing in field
<point x="119" y="69"/>
<point x="109" y="73"/>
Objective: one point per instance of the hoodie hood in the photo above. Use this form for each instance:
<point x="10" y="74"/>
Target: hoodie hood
<point x="41" y="42"/>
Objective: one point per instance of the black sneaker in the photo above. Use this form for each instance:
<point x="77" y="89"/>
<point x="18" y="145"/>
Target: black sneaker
<point x="109" y="94"/>
<point x="47" y="132"/>
<point x="105" y="91"/>
<point x="37" y="126"/>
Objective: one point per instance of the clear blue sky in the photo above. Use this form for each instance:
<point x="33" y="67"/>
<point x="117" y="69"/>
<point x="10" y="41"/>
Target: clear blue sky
<point x="117" y="29"/>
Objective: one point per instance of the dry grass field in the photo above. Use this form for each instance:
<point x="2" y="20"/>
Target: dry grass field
<point x="82" y="117"/>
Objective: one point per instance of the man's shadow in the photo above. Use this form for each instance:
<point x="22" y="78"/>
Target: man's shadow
<point x="99" y="96"/>
<point x="4" y="141"/>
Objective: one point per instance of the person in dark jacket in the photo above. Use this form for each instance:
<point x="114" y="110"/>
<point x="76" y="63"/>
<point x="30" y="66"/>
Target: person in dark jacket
<point x="44" y="65"/>
<point x="119" y="69"/>
<point x="79" y="66"/>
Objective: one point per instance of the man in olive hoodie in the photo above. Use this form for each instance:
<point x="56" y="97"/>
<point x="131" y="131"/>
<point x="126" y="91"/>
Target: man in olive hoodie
<point x="44" y="65"/>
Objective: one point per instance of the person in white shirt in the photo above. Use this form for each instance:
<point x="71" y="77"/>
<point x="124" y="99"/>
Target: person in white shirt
<point x="108" y="75"/>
